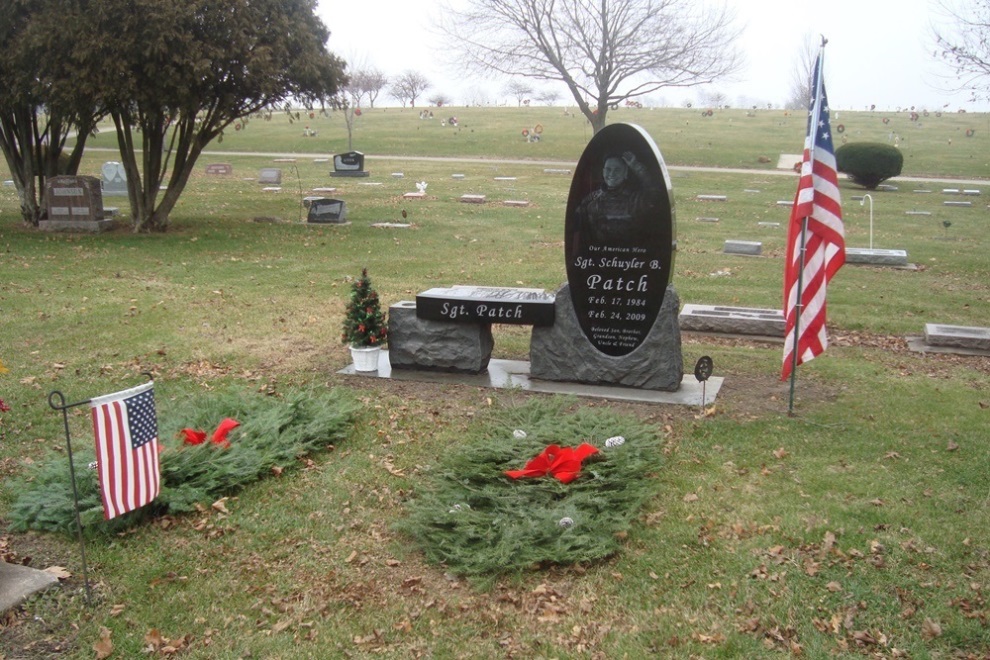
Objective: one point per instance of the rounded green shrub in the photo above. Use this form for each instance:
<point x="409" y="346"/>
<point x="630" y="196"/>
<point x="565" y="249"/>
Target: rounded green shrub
<point x="869" y="163"/>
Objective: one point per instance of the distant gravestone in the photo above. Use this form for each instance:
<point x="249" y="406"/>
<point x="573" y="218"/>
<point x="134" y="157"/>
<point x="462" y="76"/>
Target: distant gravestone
<point x="74" y="203"/>
<point x="616" y="319"/>
<point x="349" y="164"/>
<point x="114" y="179"/>
<point x="327" y="211"/>
<point x="219" y="169"/>
<point x="270" y="176"/>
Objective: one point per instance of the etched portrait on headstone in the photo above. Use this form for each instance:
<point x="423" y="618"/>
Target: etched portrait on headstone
<point x="619" y="238"/>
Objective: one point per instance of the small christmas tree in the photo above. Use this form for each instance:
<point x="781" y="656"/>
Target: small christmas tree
<point x="364" y="324"/>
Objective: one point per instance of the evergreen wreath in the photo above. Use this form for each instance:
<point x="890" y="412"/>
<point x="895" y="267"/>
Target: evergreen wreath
<point x="364" y="323"/>
<point x="472" y="519"/>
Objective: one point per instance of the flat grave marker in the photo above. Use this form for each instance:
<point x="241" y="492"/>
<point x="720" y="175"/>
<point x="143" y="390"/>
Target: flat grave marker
<point x="748" y="248"/>
<point x="219" y="169"/>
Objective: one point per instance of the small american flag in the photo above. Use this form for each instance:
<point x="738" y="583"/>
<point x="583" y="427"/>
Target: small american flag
<point x="817" y="200"/>
<point x="126" y="431"/>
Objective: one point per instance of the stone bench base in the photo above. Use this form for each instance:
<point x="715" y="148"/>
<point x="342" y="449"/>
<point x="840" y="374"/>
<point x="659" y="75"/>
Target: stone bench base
<point x="428" y="345"/>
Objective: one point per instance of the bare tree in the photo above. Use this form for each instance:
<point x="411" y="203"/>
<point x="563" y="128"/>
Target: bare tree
<point x="549" y="97"/>
<point x="605" y="51"/>
<point x="963" y="42"/>
<point x="519" y="90"/>
<point x="804" y="66"/>
<point x="368" y="82"/>
<point x="439" y="99"/>
<point x="408" y="87"/>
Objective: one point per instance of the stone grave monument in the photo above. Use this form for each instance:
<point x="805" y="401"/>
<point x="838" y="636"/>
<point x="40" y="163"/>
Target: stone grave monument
<point x="74" y="203"/>
<point x="114" y="179"/>
<point x="349" y="164"/>
<point x="323" y="210"/>
<point x="270" y="176"/>
<point x="219" y="169"/>
<point x="616" y="318"/>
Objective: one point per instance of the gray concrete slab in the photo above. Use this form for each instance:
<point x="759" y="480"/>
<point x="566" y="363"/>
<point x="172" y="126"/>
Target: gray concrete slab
<point x="749" y="248"/>
<point x="515" y="374"/>
<point x="876" y="256"/>
<point x="960" y="336"/>
<point x="918" y="344"/>
<point x="18" y="583"/>
<point x="732" y="320"/>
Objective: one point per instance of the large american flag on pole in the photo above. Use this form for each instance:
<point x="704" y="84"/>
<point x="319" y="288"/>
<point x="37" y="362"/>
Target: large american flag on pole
<point x="126" y="431"/>
<point x="816" y="246"/>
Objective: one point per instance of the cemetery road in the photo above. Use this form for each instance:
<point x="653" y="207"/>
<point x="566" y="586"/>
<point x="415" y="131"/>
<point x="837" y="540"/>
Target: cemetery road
<point x="545" y="163"/>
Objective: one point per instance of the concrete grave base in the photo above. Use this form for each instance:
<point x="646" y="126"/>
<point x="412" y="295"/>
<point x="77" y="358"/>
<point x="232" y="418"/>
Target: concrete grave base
<point x="562" y="352"/>
<point x="515" y="374"/>
<point x="92" y="226"/>
<point x="17" y="583"/>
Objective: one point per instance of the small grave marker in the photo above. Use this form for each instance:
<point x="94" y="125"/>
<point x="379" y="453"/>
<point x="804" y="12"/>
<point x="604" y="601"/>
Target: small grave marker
<point x="114" y="179"/>
<point x="219" y="169"/>
<point x="327" y="211"/>
<point x="952" y="203"/>
<point x="283" y="160"/>
<point x="711" y="198"/>
<point x="732" y="320"/>
<point x="750" y="248"/>
<point x="876" y="257"/>
<point x="917" y="213"/>
<point x="456" y="176"/>
<point x="505" y="178"/>
<point x="398" y="175"/>
<point x="473" y="199"/>
<point x="768" y="224"/>
<point x="414" y="195"/>
<point x="707" y="219"/>
<point x="349" y="164"/>
<point x="516" y="202"/>
<point x="270" y="176"/>
<point x="551" y="170"/>
<point x="957" y="336"/>
<point x="785" y="202"/>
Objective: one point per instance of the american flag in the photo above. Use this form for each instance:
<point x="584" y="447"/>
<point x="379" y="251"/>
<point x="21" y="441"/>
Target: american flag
<point x="126" y="431"/>
<point x="817" y="202"/>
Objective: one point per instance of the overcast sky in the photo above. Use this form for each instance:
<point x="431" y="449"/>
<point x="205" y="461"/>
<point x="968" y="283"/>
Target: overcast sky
<point x="879" y="51"/>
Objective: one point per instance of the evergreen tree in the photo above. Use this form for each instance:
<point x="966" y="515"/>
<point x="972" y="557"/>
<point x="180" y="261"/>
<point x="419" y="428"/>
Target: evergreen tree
<point x="364" y="324"/>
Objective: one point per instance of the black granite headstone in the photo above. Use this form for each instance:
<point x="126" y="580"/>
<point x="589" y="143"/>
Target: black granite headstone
<point x="329" y="211"/>
<point x="619" y="238"/>
<point x="349" y="164"/>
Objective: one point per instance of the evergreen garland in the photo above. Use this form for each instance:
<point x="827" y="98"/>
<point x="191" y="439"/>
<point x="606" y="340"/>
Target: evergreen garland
<point x="364" y="324"/>
<point x="273" y="433"/>
<point x="474" y="520"/>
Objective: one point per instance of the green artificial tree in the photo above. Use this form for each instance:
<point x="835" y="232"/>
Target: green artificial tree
<point x="364" y="324"/>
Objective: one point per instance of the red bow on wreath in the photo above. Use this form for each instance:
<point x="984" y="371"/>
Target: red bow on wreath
<point x="563" y="463"/>
<point x="197" y="437"/>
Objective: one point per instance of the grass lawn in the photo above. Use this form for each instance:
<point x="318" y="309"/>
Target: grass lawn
<point x="858" y="527"/>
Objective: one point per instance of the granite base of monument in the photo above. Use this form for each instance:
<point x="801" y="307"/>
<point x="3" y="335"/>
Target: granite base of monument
<point x="562" y="352"/>
<point x="429" y="345"/>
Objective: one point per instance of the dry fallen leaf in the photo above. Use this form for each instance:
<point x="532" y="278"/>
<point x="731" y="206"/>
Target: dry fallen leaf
<point x="59" y="571"/>
<point x="781" y="453"/>
<point x="221" y="506"/>
<point x="833" y="586"/>
<point x="930" y="629"/>
<point x="117" y="609"/>
<point x="691" y="497"/>
<point x="103" y="647"/>
<point x="952" y="446"/>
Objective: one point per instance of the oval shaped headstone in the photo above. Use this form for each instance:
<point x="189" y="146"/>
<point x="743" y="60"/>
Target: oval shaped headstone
<point x="619" y="238"/>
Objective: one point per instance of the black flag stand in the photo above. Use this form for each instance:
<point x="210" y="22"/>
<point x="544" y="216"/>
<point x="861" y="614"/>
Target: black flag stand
<point x="57" y="401"/>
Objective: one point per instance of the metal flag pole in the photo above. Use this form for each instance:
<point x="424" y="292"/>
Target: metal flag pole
<point x="57" y="401"/>
<point x="814" y="114"/>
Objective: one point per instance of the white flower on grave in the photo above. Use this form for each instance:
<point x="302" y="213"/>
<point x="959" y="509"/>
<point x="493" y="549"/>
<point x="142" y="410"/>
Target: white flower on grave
<point x="421" y="186"/>
<point x="614" y="441"/>
<point x="565" y="522"/>
<point x="457" y="508"/>
<point x="519" y="434"/>
<point x="93" y="465"/>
